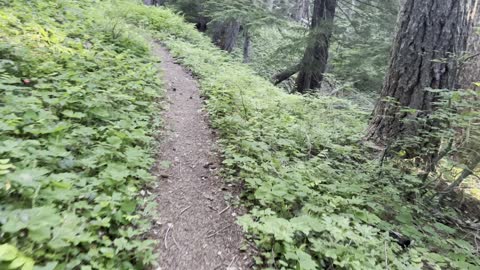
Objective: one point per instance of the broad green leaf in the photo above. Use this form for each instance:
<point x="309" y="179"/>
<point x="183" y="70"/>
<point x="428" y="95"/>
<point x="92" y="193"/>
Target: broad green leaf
<point x="305" y="261"/>
<point x="8" y="252"/>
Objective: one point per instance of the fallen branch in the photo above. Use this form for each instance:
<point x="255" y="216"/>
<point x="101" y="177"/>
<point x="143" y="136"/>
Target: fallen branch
<point x="231" y="263"/>
<point x="468" y="171"/>
<point x="175" y="241"/>
<point x="219" y="231"/>
<point x="282" y="76"/>
<point x="183" y="211"/>
<point x="223" y="211"/>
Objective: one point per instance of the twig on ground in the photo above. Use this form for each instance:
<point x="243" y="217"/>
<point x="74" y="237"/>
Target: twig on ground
<point x="223" y="211"/>
<point x="183" y="211"/>
<point x="219" y="231"/>
<point x="231" y="263"/>
<point x="175" y="241"/>
<point x="218" y="266"/>
<point x="170" y="225"/>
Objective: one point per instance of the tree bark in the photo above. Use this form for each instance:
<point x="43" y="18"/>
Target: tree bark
<point x="301" y="10"/>
<point x="225" y="34"/>
<point x="246" y="47"/>
<point x="430" y="36"/>
<point x="314" y="62"/>
<point x="470" y="71"/>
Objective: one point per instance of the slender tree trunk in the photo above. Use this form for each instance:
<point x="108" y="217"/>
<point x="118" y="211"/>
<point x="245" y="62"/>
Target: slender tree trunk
<point x="246" y="47"/>
<point x="225" y="34"/>
<point x="430" y="36"/>
<point x="301" y="10"/>
<point x="314" y="62"/>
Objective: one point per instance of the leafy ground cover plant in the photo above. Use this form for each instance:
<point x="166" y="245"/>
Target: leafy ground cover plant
<point x="77" y="87"/>
<point x="318" y="199"/>
<point x="77" y="90"/>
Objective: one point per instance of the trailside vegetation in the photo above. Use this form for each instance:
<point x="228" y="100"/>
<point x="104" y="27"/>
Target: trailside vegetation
<point x="77" y="97"/>
<point x="77" y="92"/>
<point x="317" y="197"/>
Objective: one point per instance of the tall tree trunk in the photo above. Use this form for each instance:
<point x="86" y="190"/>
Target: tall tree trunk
<point x="301" y="10"/>
<point x="430" y="36"/>
<point x="246" y="47"/>
<point x="225" y="34"/>
<point x="314" y="62"/>
<point x="470" y="71"/>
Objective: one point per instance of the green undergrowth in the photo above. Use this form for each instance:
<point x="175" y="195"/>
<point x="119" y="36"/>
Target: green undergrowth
<point x="317" y="199"/>
<point x="77" y="91"/>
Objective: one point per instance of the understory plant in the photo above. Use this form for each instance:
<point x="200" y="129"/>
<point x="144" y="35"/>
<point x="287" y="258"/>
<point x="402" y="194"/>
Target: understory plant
<point x="77" y="91"/>
<point x="318" y="198"/>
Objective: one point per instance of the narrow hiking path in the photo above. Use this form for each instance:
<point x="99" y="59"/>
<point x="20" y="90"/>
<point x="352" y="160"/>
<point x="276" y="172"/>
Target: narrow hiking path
<point x="198" y="229"/>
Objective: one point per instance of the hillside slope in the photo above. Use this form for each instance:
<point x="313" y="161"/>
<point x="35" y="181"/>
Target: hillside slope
<point x="317" y="198"/>
<point x="77" y="91"/>
<point x="78" y="87"/>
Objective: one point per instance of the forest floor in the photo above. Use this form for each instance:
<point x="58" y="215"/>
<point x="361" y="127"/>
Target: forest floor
<point x="197" y="227"/>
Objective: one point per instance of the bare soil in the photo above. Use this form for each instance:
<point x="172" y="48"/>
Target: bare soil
<point x="196" y="227"/>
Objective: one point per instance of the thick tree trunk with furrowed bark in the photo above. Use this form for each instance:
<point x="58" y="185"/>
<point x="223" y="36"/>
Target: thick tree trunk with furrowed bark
<point x="470" y="74"/>
<point x="431" y="35"/>
<point x="314" y="62"/>
<point x="470" y="71"/>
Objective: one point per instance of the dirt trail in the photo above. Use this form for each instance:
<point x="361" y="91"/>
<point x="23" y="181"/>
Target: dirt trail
<point x="197" y="227"/>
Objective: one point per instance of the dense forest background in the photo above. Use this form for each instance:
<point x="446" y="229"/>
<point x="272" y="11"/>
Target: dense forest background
<point x="343" y="48"/>
<point x="272" y="37"/>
